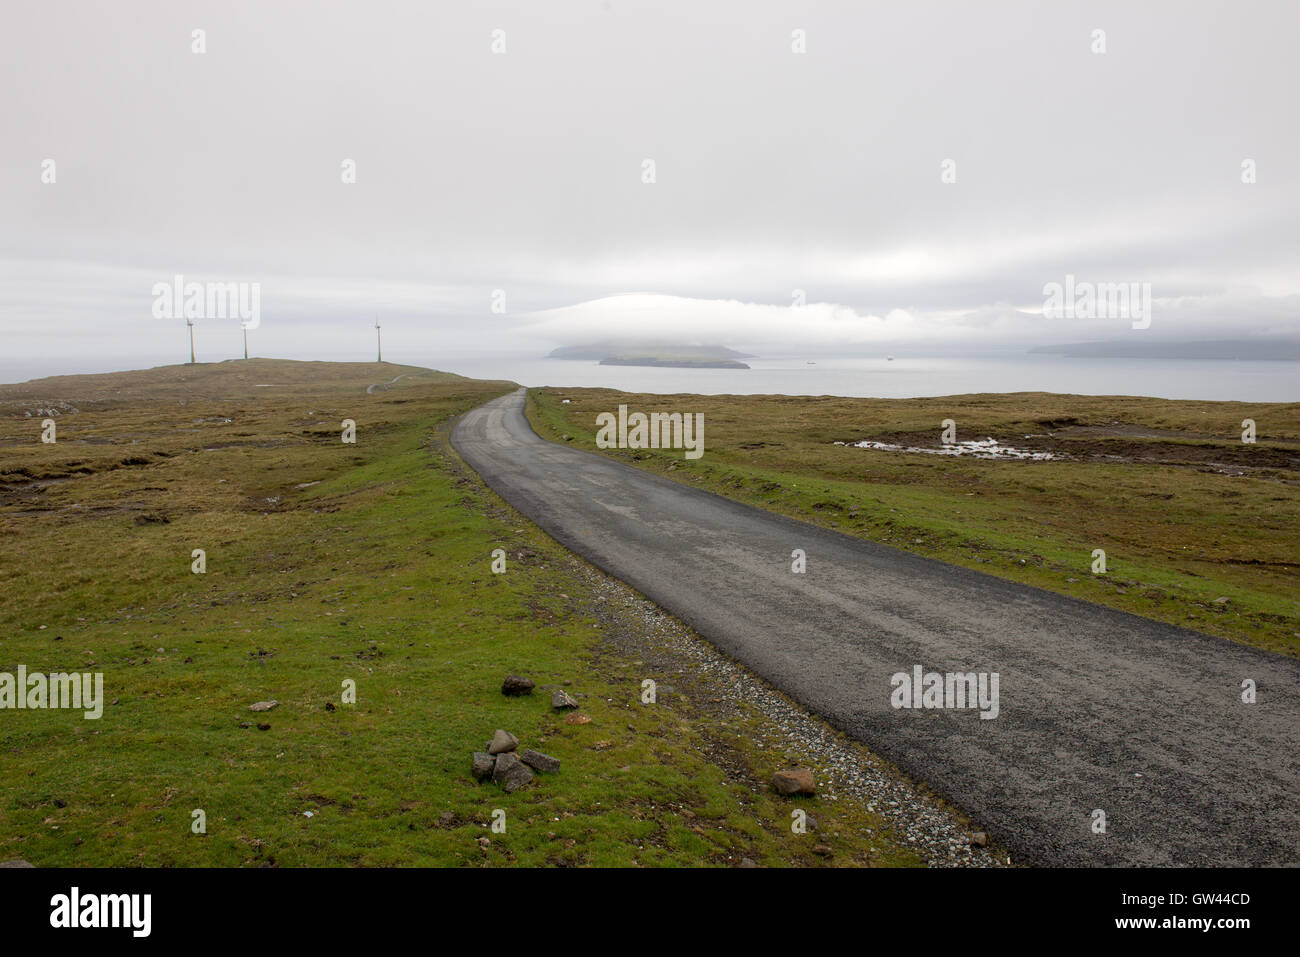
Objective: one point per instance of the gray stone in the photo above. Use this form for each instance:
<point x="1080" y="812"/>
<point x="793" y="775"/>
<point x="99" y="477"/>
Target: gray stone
<point x="483" y="765"/>
<point x="562" y="699"/>
<point x="16" y="862"/>
<point x="501" y="742"/>
<point x="263" y="706"/>
<point x="538" y="761"/>
<point x="510" y="772"/>
<point x="515" y="685"/>
<point x="502" y="765"/>
<point x="517" y="778"/>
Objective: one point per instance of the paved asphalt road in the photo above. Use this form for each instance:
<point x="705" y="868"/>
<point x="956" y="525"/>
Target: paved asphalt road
<point x="1098" y="709"/>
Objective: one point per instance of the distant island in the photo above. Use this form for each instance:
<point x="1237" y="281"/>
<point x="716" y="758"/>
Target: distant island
<point x="659" y="354"/>
<point x="1240" y="349"/>
<point x="673" y="363"/>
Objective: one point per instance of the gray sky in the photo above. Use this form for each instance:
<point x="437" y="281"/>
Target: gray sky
<point x="522" y="171"/>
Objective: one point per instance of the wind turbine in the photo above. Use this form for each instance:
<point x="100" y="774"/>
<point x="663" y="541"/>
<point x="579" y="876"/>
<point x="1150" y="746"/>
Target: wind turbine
<point x="190" y="323"/>
<point x="379" y="343"/>
<point x="244" y="326"/>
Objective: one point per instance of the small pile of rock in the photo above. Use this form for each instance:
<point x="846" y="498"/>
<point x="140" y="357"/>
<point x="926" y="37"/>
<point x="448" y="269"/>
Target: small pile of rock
<point x="508" y="767"/>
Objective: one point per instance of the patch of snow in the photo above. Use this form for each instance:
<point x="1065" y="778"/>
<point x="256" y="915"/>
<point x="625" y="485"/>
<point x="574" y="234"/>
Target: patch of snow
<point x="987" y="449"/>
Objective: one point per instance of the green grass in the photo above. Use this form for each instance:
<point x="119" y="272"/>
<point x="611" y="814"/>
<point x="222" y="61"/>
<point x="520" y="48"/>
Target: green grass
<point x="1153" y="482"/>
<point x="378" y="573"/>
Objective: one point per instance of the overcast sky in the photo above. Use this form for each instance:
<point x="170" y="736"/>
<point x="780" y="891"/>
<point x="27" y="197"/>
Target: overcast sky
<point x="522" y="171"/>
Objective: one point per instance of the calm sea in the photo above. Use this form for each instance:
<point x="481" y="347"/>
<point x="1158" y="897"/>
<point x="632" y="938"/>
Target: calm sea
<point x="911" y="377"/>
<point x="904" y="377"/>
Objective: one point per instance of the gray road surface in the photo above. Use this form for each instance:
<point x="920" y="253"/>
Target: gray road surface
<point x="1098" y="709"/>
